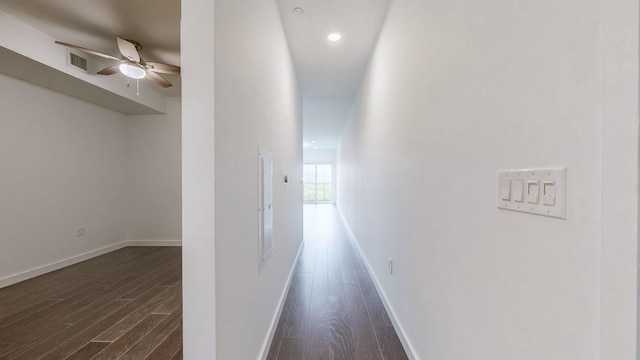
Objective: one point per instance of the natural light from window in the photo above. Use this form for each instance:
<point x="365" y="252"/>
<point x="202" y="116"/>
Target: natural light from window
<point x="318" y="183"/>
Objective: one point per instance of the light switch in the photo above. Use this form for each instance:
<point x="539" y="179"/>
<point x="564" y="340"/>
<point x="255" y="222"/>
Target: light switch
<point x="505" y="189"/>
<point x="518" y="190"/>
<point x="549" y="193"/>
<point x="539" y="191"/>
<point x="533" y="191"/>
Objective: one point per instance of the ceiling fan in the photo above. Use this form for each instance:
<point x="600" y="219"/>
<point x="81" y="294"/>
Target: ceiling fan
<point x="131" y="64"/>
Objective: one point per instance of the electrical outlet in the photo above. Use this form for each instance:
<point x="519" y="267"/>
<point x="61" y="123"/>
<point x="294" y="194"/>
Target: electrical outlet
<point x="391" y="266"/>
<point x="80" y="231"/>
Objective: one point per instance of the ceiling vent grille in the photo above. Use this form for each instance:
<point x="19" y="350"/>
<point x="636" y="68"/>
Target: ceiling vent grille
<point x="77" y="62"/>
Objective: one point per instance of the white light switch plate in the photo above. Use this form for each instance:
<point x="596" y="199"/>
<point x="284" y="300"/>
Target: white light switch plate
<point x="547" y="187"/>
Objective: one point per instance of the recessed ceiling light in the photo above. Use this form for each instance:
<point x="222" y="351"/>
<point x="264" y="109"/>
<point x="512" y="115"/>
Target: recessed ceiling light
<point x="298" y="11"/>
<point x="313" y="141"/>
<point x="334" y="37"/>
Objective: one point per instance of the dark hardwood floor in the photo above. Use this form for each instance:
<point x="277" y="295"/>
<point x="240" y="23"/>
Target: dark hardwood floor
<point x="123" y="305"/>
<point x="128" y="305"/>
<point x="332" y="310"/>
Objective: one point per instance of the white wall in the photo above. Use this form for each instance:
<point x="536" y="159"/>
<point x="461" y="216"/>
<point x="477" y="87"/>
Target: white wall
<point x="198" y="179"/>
<point x="67" y="163"/>
<point x="257" y="104"/>
<point x="62" y="165"/>
<point x="154" y="176"/>
<point x="619" y="279"/>
<point x="454" y="92"/>
<point x="323" y="156"/>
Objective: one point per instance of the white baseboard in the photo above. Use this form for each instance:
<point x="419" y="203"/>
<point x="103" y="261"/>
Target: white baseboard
<point x="41" y="270"/>
<point x="276" y="317"/>
<point x="409" y="349"/>
<point x="154" y="243"/>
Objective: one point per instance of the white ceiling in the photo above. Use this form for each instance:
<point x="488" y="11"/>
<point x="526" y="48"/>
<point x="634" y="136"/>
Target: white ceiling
<point x="94" y="25"/>
<point x="330" y="73"/>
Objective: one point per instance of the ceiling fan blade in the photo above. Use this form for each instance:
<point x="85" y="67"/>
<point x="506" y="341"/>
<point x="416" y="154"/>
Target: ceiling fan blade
<point x="109" y="70"/>
<point x="88" y="51"/>
<point x="163" y="68"/>
<point x="158" y="79"/>
<point x="128" y="50"/>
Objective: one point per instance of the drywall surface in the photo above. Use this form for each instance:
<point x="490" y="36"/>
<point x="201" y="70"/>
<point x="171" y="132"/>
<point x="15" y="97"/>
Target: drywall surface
<point x="63" y="166"/>
<point x="66" y="164"/>
<point x="619" y="278"/>
<point x="154" y="175"/>
<point x="454" y="92"/>
<point x="198" y="180"/>
<point x="311" y="156"/>
<point x="257" y="104"/>
<point x="324" y="120"/>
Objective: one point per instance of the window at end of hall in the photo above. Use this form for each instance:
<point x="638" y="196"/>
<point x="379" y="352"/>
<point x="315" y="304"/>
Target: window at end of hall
<point x="318" y="185"/>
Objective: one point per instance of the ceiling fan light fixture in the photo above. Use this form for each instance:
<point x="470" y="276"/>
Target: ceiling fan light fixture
<point x="334" y="37"/>
<point x="132" y="71"/>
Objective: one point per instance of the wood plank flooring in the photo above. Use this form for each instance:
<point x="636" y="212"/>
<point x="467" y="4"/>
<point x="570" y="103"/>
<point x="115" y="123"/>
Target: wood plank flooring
<point x="332" y="310"/>
<point x="123" y="305"/>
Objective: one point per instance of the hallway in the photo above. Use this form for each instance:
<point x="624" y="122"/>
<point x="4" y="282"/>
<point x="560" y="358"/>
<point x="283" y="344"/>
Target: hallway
<point x="332" y="310"/>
